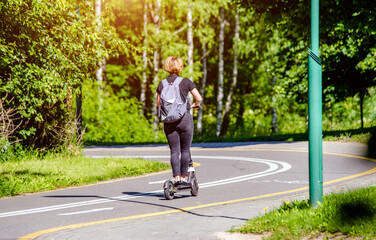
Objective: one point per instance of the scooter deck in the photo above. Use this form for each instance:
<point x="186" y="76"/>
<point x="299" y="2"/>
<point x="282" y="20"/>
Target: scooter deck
<point x="182" y="187"/>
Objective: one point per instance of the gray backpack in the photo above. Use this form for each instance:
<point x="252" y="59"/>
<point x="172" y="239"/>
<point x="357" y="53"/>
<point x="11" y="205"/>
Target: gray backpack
<point x="172" y="108"/>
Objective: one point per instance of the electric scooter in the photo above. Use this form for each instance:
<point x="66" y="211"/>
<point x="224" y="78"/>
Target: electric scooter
<point x="170" y="187"/>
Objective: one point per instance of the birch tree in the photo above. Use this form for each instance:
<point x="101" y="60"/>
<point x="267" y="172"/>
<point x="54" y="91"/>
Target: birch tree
<point x="190" y="41"/>
<point x="206" y="34"/>
<point x="202" y="88"/>
<point x="144" y="60"/>
<point x="102" y="64"/>
<point x="156" y="15"/>
<point x="220" y="70"/>
<point x="226" y="115"/>
<point x="190" y="47"/>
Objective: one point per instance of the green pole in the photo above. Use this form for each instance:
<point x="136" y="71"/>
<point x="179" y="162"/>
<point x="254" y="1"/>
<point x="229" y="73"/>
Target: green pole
<point x="315" y="110"/>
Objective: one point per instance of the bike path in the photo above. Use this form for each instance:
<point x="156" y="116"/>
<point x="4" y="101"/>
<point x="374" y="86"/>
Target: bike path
<point x="142" y="213"/>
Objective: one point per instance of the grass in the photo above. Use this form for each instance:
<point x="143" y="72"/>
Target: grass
<point x="351" y="214"/>
<point x="33" y="173"/>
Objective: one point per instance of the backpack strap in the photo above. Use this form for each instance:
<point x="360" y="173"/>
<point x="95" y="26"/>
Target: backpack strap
<point x="164" y="82"/>
<point x="178" y="80"/>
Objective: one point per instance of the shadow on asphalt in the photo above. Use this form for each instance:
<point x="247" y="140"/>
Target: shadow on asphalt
<point x="159" y="195"/>
<point x="200" y="145"/>
<point x="126" y="146"/>
<point x="235" y="144"/>
<point x="174" y="208"/>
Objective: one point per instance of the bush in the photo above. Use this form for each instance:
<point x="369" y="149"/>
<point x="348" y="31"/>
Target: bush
<point x="47" y="51"/>
<point x="111" y="119"/>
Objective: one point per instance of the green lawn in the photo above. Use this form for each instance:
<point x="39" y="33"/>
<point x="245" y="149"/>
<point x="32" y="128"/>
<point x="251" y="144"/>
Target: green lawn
<point x="35" y="174"/>
<point x="351" y="214"/>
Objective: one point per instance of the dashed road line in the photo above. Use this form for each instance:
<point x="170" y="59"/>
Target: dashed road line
<point x="274" y="168"/>
<point x="87" y="211"/>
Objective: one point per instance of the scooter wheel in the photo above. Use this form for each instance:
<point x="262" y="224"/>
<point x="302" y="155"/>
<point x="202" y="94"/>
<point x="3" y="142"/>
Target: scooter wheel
<point x="194" y="189"/>
<point x="168" y="190"/>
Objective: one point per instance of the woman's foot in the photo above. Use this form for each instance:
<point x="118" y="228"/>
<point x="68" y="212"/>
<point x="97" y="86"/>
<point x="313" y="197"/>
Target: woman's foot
<point x="181" y="180"/>
<point x="177" y="178"/>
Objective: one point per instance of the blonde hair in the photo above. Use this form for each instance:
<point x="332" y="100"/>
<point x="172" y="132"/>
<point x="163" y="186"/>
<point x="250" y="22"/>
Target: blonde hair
<point x="173" y="65"/>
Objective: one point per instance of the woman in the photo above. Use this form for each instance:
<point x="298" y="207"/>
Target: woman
<point x="179" y="134"/>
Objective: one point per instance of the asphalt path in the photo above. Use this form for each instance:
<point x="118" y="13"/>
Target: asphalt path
<point x="237" y="181"/>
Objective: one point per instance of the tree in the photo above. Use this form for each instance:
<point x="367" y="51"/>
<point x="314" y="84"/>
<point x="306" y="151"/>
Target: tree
<point x="190" y="46"/>
<point x="226" y="114"/>
<point x="144" y="60"/>
<point x="47" y="54"/>
<point x="203" y="11"/>
<point x="347" y="38"/>
<point x="190" y="40"/>
<point x="202" y="88"/>
<point x="156" y="15"/>
<point x="251" y="92"/>
<point x="220" y="70"/>
<point x="100" y="73"/>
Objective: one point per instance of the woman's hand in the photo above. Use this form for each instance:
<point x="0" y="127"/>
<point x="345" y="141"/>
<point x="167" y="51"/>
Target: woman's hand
<point x="198" y="99"/>
<point x="194" y="106"/>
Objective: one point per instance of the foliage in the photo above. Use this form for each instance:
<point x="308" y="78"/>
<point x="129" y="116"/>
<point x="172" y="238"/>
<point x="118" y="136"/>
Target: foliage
<point x="47" y="50"/>
<point x="112" y="119"/>
<point x="352" y="214"/>
<point x="271" y="46"/>
<point x="34" y="173"/>
<point x="347" y="38"/>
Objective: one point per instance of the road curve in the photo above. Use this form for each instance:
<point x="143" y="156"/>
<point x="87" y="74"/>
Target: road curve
<point x="237" y="182"/>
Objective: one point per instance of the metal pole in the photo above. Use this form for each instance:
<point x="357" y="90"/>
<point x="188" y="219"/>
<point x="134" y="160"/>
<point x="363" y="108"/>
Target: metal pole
<point x="315" y="110"/>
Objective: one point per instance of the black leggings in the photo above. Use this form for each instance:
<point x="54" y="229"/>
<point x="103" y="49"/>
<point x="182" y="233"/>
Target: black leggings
<point x="179" y="136"/>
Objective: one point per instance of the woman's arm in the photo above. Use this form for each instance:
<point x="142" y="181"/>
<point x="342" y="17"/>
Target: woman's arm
<point x="197" y="96"/>
<point x="158" y="100"/>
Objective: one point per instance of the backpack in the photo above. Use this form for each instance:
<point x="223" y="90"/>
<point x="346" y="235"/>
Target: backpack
<point x="172" y="108"/>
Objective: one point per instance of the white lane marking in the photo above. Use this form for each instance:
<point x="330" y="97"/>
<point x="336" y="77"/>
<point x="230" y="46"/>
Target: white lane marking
<point x="71" y="205"/>
<point x="274" y="168"/>
<point x="88" y="211"/>
<point x="279" y="181"/>
<point x="158" y="182"/>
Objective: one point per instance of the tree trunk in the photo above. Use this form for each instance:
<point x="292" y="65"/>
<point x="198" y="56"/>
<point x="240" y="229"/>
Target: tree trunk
<point x="190" y="41"/>
<point x="239" y="119"/>
<point x="331" y="115"/>
<point x="102" y="65"/>
<point x="202" y="89"/>
<point x="226" y="117"/>
<point x="220" y="71"/>
<point x="157" y="23"/>
<point x="274" y="122"/>
<point x="79" y="115"/>
<point x="145" y="62"/>
<point x="361" y="96"/>
<point x="190" y="47"/>
<point x="79" y="106"/>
